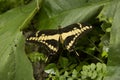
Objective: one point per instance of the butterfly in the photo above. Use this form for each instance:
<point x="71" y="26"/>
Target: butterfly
<point x="67" y="36"/>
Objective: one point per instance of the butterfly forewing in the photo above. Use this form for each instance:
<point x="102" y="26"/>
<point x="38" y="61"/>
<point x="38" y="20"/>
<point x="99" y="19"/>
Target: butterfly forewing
<point x="48" y="38"/>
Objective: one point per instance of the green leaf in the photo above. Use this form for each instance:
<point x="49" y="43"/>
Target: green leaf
<point x="61" y="78"/>
<point x="63" y="62"/>
<point x="92" y="66"/>
<point x="51" y="68"/>
<point x="74" y="73"/>
<point x="70" y="78"/>
<point x="14" y="64"/>
<point x="94" y="74"/>
<point x="66" y="74"/>
<point x="51" y="65"/>
<point x="107" y="12"/>
<point x="36" y="56"/>
<point x="105" y="39"/>
<point x="99" y="67"/>
<point x="114" y="52"/>
<point x="58" y="15"/>
<point x="72" y="66"/>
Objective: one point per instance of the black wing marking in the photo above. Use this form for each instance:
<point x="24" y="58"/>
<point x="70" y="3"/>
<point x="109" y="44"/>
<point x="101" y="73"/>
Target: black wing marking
<point x="72" y="33"/>
<point x="48" y="38"/>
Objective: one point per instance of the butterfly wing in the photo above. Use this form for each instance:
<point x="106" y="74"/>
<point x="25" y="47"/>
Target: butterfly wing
<point x="47" y="38"/>
<point x="72" y="33"/>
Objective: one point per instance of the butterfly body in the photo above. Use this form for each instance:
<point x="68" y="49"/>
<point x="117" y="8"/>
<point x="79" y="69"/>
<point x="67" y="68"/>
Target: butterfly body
<point x="66" y="36"/>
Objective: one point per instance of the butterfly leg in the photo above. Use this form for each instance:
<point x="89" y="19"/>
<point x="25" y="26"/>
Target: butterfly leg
<point x="73" y="50"/>
<point x="77" y="53"/>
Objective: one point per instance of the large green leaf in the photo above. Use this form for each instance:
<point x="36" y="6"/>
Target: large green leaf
<point x="59" y="14"/>
<point x="114" y="52"/>
<point x="14" y="64"/>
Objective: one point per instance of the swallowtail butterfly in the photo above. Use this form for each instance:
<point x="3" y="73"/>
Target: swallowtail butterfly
<point x="67" y="36"/>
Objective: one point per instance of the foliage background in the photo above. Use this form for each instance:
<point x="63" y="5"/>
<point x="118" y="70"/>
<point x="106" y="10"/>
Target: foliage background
<point x="16" y="16"/>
